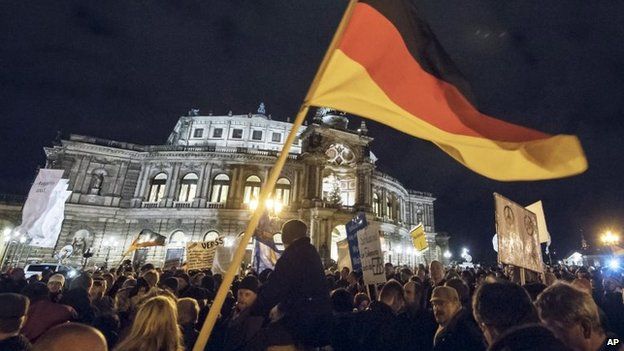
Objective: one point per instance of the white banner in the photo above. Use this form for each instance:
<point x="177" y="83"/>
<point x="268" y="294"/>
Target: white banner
<point x="200" y="255"/>
<point x="538" y="209"/>
<point x="371" y="255"/>
<point x="46" y="230"/>
<point x="40" y="198"/>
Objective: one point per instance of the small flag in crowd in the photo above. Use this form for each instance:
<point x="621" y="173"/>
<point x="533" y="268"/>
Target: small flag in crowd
<point x="147" y="238"/>
<point x="418" y="237"/>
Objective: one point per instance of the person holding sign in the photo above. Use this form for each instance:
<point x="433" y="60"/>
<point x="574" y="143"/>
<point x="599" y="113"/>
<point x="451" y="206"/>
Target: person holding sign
<point x="298" y="289"/>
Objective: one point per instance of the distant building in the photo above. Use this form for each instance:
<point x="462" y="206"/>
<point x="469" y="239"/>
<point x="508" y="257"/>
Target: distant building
<point x="201" y="182"/>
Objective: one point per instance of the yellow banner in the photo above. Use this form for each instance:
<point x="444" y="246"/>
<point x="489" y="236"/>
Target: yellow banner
<point x="418" y="237"/>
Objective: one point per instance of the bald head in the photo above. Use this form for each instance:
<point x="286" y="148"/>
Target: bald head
<point x="436" y="270"/>
<point x="392" y="294"/>
<point x="71" y="337"/>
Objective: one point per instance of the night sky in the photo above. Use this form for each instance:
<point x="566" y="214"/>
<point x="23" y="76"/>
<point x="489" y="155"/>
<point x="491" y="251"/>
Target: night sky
<point x="127" y="70"/>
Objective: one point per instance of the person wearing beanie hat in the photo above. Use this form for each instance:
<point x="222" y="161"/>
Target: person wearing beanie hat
<point x="241" y="326"/>
<point x="55" y="285"/>
<point x="247" y="292"/>
<point x="13" y="308"/>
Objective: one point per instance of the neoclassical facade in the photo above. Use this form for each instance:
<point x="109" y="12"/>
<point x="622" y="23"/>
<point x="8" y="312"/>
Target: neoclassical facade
<point x="202" y="182"/>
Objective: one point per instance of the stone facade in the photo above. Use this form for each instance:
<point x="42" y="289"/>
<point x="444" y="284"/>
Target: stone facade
<point x="201" y="182"/>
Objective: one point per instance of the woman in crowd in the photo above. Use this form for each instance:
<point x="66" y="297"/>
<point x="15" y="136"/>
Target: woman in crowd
<point x="155" y="327"/>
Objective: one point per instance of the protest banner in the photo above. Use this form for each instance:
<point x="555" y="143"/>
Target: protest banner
<point x="518" y="237"/>
<point x="200" y="255"/>
<point x="45" y="193"/>
<point x="419" y="239"/>
<point x="355" y="225"/>
<point x="371" y="256"/>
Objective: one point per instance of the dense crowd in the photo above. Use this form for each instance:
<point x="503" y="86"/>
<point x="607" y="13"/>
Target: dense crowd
<point x="301" y="305"/>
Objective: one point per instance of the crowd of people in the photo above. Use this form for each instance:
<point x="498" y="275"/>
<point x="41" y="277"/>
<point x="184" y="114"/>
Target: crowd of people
<point x="302" y="305"/>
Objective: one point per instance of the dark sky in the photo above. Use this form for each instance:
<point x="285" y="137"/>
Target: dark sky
<point x="127" y="70"/>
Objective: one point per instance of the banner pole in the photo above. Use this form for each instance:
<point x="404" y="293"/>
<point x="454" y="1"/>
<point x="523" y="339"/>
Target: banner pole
<point x="228" y="278"/>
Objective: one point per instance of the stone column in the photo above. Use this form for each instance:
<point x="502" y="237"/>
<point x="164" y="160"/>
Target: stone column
<point x="82" y="175"/>
<point x="140" y="192"/>
<point x="200" y="195"/>
<point x="116" y="189"/>
<point x="172" y="184"/>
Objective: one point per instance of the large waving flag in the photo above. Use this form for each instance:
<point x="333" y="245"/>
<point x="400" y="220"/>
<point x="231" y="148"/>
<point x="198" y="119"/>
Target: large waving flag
<point x="389" y="67"/>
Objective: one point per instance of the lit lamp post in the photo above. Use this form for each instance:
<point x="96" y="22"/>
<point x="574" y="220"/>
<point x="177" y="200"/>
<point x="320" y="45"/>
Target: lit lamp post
<point x="447" y="255"/>
<point x="611" y="239"/>
<point x="273" y="207"/>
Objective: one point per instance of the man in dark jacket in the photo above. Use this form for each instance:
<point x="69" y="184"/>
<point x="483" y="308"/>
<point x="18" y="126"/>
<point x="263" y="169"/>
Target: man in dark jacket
<point x="456" y="330"/>
<point x="298" y="288"/>
<point x="509" y="320"/>
<point x="379" y="327"/>
<point x="78" y="298"/>
<point x="417" y="324"/>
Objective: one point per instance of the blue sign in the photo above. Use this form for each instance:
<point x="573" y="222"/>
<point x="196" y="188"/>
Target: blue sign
<point x="356" y="224"/>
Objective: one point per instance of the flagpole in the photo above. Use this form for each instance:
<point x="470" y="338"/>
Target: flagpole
<point x="228" y="278"/>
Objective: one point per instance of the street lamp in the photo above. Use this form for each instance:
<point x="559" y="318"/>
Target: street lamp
<point x="273" y="207"/>
<point x="610" y="238"/>
<point x="448" y="254"/>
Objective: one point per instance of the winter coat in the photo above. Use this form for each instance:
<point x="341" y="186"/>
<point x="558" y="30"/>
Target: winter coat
<point x="299" y="286"/>
<point x="530" y="337"/>
<point x="461" y="333"/>
<point x="43" y="315"/>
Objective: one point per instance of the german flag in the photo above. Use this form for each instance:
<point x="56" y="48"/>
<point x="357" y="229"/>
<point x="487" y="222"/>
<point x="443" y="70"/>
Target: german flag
<point x="389" y="67"/>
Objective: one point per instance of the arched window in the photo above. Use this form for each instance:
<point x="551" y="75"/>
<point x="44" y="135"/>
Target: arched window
<point x="390" y="208"/>
<point x="211" y="235"/>
<point x="220" y="187"/>
<point x="376" y="205"/>
<point x="252" y="189"/>
<point x="188" y="188"/>
<point x="282" y="191"/>
<point x="157" y="188"/>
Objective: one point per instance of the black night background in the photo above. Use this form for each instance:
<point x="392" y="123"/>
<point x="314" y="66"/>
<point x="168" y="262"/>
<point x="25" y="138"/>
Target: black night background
<point x="127" y="70"/>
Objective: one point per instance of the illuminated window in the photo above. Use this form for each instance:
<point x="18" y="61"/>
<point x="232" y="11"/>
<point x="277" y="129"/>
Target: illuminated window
<point x="282" y="191"/>
<point x="252" y="189"/>
<point x="220" y="188"/>
<point x="376" y="205"/>
<point x="188" y="188"/>
<point x="211" y="235"/>
<point x="157" y="188"/>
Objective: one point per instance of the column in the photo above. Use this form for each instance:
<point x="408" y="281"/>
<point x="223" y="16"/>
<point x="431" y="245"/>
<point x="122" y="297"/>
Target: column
<point x="143" y="181"/>
<point x="200" y="196"/>
<point x="82" y="175"/>
<point x="173" y="184"/>
<point x="116" y="189"/>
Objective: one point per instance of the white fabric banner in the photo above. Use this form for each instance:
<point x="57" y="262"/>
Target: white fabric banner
<point x="46" y="230"/>
<point x="538" y="209"/>
<point x="40" y="199"/>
